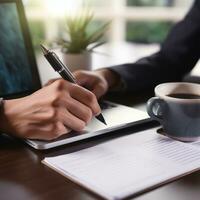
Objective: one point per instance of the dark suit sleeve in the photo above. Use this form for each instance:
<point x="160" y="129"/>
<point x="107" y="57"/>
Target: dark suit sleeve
<point x="177" y="56"/>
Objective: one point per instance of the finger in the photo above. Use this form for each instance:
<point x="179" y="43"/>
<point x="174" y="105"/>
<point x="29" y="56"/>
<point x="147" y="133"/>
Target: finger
<point x="72" y="122"/>
<point x="85" y="97"/>
<point x="80" y="77"/>
<point x="81" y="94"/>
<point x="85" y="79"/>
<point x="80" y="110"/>
<point x="99" y="90"/>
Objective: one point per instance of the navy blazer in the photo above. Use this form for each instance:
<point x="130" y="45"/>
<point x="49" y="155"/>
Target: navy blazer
<point x="178" y="55"/>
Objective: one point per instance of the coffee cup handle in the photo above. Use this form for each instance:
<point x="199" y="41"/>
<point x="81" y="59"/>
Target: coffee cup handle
<point x="155" y="107"/>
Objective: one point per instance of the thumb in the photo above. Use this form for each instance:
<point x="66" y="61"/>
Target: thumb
<point x="99" y="90"/>
<point x="86" y="80"/>
<point x="81" y="78"/>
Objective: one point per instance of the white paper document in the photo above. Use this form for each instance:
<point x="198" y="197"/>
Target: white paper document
<point x="128" y="165"/>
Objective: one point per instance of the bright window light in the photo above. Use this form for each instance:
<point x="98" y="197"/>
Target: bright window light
<point x="59" y="8"/>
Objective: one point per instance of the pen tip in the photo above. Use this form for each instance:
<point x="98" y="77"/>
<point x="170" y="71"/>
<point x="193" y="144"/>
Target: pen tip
<point x="44" y="49"/>
<point x="101" y="119"/>
<point x="105" y="122"/>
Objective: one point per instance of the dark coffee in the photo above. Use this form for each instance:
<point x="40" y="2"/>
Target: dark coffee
<point x="184" y="96"/>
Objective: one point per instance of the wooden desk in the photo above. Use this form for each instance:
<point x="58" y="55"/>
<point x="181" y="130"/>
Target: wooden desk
<point x="22" y="176"/>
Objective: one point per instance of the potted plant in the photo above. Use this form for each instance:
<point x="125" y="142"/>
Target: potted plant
<point x="78" y="43"/>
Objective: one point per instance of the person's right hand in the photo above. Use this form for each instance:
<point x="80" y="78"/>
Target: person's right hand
<point x="52" y="111"/>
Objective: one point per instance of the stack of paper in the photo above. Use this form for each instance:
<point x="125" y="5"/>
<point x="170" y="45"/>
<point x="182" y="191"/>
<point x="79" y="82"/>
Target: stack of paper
<point x="128" y="165"/>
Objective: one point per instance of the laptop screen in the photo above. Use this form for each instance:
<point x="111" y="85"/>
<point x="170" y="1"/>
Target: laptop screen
<point x="16" y="69"/>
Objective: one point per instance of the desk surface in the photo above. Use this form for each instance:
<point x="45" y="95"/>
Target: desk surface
<point x="22" y="176"/>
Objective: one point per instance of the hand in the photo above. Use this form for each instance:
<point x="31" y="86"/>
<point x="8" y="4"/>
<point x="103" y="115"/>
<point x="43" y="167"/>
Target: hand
<point x="50" y="112"/>
<point x="98" y="82"/>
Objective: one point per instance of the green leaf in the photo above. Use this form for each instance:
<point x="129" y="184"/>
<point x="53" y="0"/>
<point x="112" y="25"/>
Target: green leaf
<point x="96" y="45"/>
<point x="78" y="38"/>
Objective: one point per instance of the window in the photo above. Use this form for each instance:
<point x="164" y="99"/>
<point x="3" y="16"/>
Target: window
<point x="140" y="21"/>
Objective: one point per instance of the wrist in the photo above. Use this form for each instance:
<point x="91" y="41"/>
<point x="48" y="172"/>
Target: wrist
<point x="4" y="120"/>
<point x="2" y="116"/>
<point x="111" y="77"/>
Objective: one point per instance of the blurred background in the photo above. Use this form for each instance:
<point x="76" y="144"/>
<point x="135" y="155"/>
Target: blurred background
<point x="138" y="26"/>
<point x="138" y="21"/>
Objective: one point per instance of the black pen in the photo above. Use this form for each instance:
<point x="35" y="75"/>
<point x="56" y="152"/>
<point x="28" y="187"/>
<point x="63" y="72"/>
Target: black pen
<point x="64" y="72"/>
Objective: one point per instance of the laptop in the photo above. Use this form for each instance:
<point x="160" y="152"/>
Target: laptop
<point x="19" y="77"/>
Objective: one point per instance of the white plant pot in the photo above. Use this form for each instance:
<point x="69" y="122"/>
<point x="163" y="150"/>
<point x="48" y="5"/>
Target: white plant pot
<point x="78" y="61"/>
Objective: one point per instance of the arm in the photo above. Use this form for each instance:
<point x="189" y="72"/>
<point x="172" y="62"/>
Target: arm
<point x="178" y="54"/>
